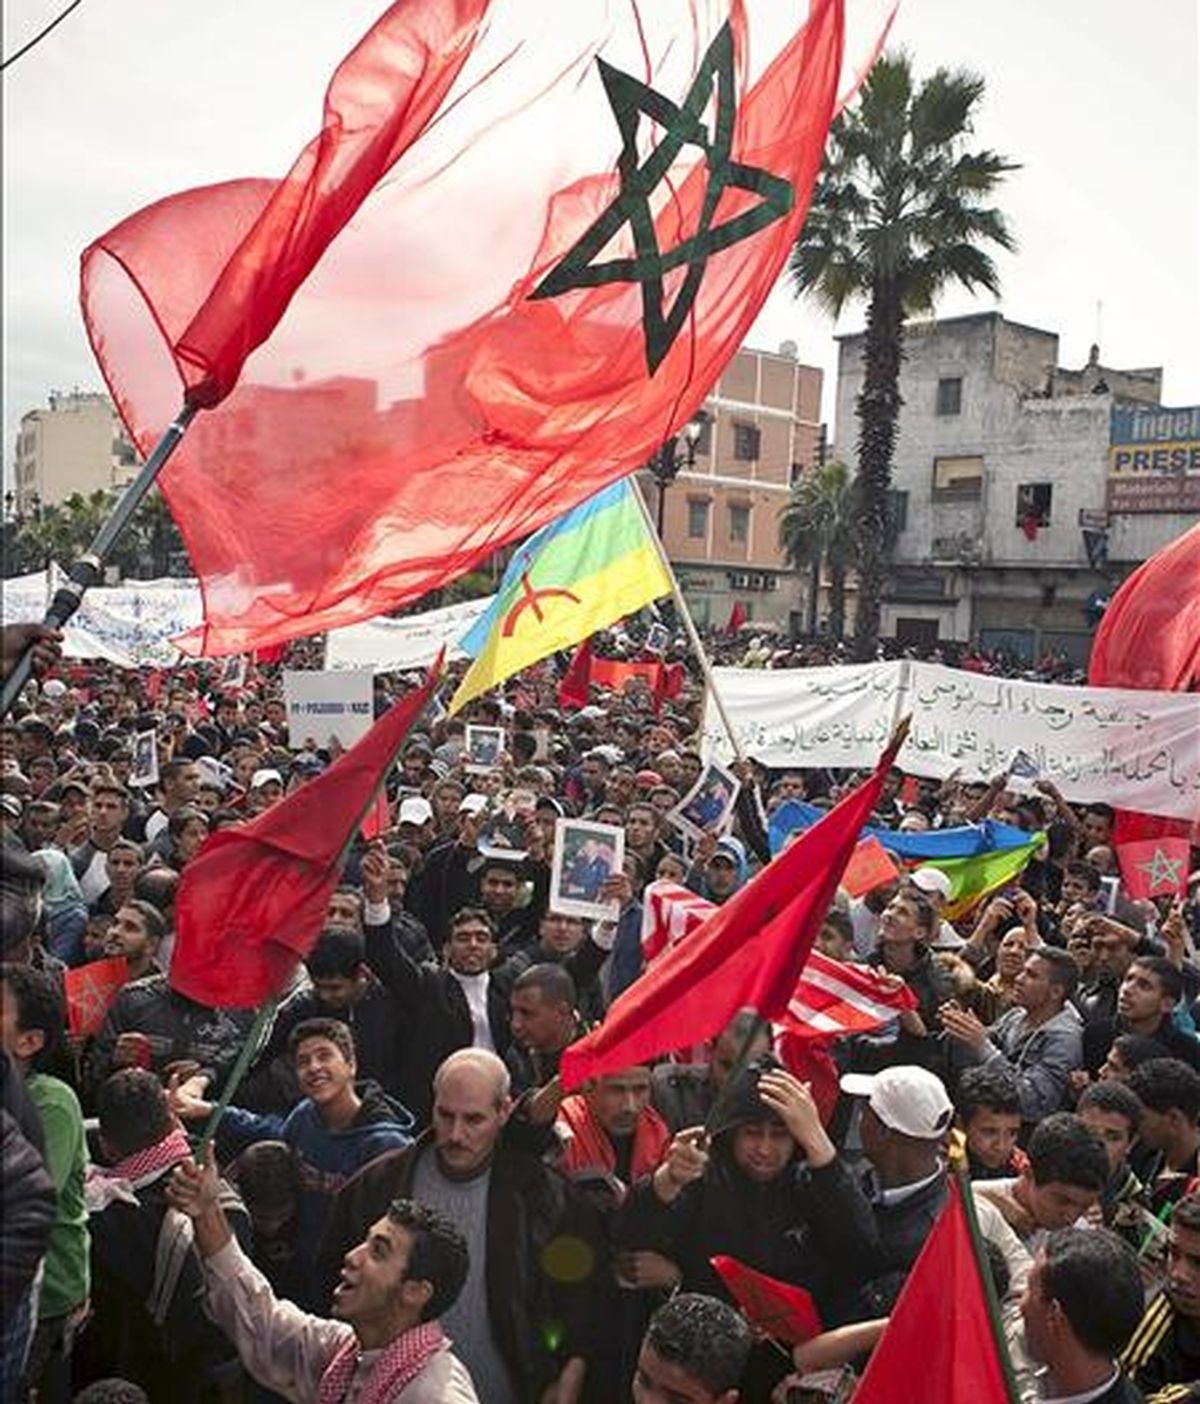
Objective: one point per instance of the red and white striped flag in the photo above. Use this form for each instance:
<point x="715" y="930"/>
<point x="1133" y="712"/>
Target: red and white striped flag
<point x="832" y="998"/>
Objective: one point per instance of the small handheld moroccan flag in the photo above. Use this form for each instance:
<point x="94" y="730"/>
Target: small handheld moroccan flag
<point x="513" y="261"/>
<point x="665" y="680"/>
<point x="746" y="954"/>
<point x="90" y="989"/>
<point x="778" y="1309"/>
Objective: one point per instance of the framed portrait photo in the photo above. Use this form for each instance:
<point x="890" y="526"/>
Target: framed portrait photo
<point x="586" y="855"/>
<point x="143" y="773"/>
<point x="708" y="805"/>
<point x="485" y="748"/>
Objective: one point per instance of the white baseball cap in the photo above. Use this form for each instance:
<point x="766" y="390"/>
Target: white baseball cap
<point x="906" y="1099"/>
<point x="416" y="809"/>
<point x="265" y="777"/>
<point x="931" y="880"/>
<point x="473" y="804"/>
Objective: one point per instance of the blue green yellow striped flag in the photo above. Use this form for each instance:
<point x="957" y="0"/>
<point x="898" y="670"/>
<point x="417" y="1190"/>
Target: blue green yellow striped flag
<point x="971" y="879"/>
<point x="581" y="573"/>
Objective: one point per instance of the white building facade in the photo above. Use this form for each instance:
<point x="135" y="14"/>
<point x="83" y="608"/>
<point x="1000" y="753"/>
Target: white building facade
<point x="77" y="444"/>
<point x="1002" y="491"/>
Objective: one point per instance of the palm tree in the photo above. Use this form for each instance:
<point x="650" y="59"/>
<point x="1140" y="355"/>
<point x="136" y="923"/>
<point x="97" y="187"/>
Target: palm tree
<point x="900" y="210"/>
<point x="817" y="528"/>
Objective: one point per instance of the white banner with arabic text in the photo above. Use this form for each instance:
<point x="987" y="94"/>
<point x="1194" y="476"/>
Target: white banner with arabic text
<point x="1134" y="750"/>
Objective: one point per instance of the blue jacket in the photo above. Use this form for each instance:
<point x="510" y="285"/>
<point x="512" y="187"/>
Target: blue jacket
<point x="324" y="1159"/>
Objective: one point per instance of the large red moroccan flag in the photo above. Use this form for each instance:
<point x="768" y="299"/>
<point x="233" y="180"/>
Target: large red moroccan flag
<point x="1150" y="634"/>
<point x="943" y="1337"/>
<point x="252" y="902"/>
<point x="747" y="953"/>
<point x="513" y="261"/>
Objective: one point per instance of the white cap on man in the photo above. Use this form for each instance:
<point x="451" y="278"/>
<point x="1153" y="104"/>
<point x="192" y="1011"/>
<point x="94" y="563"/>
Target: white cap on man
<point x="906" y="1099"/>
<point x="416" y="809"/>
<point x="931" y="881"/>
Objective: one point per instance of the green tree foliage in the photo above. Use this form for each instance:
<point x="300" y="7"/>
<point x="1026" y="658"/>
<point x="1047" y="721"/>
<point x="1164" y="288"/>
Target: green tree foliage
<point x="817" y="528"/>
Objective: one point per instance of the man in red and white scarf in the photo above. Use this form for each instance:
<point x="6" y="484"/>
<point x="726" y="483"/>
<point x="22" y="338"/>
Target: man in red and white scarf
<point x="385" y="1345"/>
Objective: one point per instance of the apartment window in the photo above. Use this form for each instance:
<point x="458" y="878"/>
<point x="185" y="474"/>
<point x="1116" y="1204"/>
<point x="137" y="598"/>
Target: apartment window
<point x="958" y="479"/>
<point x="697" y="518"/>
<point x="949" y="395"/>
<point x="739" y="522"/>
<point x="1033" y="503"/>
<point x="746" y="439"/>
<point x="897" y="510"/>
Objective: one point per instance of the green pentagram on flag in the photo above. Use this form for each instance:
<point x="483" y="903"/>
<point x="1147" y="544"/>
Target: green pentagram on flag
<point x="630" y="99"/>
<point x="1163" y="872"/>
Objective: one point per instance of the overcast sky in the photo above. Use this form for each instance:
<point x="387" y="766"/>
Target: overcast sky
<point x="129" y="100"/>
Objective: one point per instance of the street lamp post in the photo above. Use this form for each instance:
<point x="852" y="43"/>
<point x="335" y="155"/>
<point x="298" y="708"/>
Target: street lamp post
<point x="676" y="454"/>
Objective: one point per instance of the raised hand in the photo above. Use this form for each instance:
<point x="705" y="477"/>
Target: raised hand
<point x="792" y="1102"/>
<point x="686" y="1160"/>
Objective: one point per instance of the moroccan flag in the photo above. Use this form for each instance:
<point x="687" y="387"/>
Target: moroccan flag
<point x="512" y="262"/>
<point x="777" y="1309"/>
<point x="378" y="818"/>
<point x="590" y="568"/>
<point x="943" y="1338"/>
<point x="1150" y="634"/>
<point x="737" y="617"/>
<point x="1156" y="867"/>
<point x="252" y="902"/>
<point x="665" y="680"/>
<point x="971" y="879"/>
<point x="869" y="867"/>
<point x="90" y="989"/>
<point x="748" y="952"/>
<point x="1130" y="826"/>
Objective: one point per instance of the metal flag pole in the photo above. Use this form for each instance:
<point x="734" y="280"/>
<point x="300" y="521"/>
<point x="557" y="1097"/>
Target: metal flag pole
<point x="689" y="624"/>
<point x="88" y="570"/>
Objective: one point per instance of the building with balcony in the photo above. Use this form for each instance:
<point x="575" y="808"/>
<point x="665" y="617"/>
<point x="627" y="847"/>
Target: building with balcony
<point x="721" y="515"/>
<point x="1011" y="516"/>
<point x="78" y="444"/>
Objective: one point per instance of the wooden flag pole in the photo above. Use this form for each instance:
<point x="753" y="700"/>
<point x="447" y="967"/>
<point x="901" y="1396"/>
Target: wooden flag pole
<point x="88" y="570"/>
<point x="689" y="624"/>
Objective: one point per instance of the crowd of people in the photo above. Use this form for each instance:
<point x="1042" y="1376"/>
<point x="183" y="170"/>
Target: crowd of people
<point x="401" y="1203"/>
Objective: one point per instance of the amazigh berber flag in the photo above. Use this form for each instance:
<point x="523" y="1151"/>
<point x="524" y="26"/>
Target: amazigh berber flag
<point x="513" y="261"/>
<point x="832" y="997"/>
<point x="581" y="573"/>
